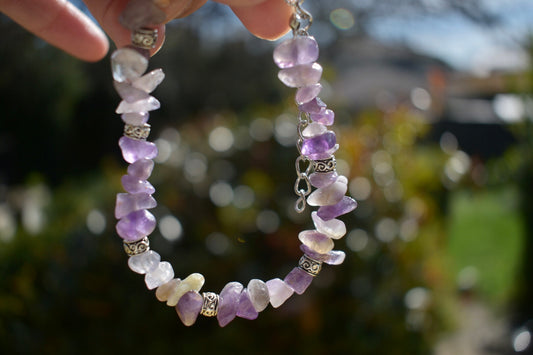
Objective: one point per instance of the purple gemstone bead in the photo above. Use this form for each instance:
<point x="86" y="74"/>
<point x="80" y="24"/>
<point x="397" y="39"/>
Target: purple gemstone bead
<point x="133" y="149"/>
<point x="136" y="186"/>
<point x="128" y="92"/>
<point x="295" y="51"/>
<point x="228" y="303"/>
<point x="127" y="203"/>
<point x="325" y="155"/>
<point x="246" y="308"/>
<point x="136" y="225"/>
<point x="141" y="13"/>
<point x="135" y="118"/>
<point x="347" y="204"/>
<point x="316" y="105"/>
<point x="301" y="75"/>
<point x="298" y="280"/>
<point x="334" y="257"/>
<point x="307" y="93"/>
<point x="323" y="179"/>
<point x="189" y="307"/>
<point x="319" y="144"/>
<point x="141" y="169"/>
<point x="326" y="117"/>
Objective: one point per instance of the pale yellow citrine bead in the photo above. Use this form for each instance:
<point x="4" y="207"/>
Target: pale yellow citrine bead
<point x="164" y="291"/>
<point x="193" y="282"/>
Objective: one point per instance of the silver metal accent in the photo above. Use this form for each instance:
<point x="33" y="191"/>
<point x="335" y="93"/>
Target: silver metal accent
<point x="137" y="247"/>
<point x="137" y="132"/>
<point x="144" y="38"/>
<point x="301" y="18"/>
<point x="311" y="266"/>
<point x="210" y="305"/>
<point x="325" y="166"/>
<point x="302" y="185"/>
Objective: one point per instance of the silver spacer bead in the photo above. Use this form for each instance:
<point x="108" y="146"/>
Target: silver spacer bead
<point x="137" y="247"/>
<point x="325" y="166"/>
<point x="144" y="38"/>
<point x="210" y="305"/>
<point x="311" y="266"/>
<point x="137" y="132"/>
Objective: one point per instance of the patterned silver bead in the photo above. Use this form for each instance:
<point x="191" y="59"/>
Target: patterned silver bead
<point x="137" y="132"/>
<point x="137" y="247"/>
<point x="210" y="305"/>
<point x="325" y="166"/>
<point x="311" y="266"/>
<point x="144" y="38"/>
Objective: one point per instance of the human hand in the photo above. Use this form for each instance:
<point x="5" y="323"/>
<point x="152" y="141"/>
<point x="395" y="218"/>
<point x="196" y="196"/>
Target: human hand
<point x="61" y="24"/>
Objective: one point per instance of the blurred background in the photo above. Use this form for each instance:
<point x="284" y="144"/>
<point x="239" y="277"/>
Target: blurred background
<point x="435" y="119"/>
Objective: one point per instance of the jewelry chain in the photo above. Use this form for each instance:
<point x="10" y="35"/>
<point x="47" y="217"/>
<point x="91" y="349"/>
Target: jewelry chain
<point x="301" y="18"/>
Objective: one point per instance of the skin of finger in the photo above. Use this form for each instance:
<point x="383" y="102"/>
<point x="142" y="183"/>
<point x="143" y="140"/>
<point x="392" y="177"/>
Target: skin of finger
<point x="60" y="24"/>
<point x="268" y="19"/>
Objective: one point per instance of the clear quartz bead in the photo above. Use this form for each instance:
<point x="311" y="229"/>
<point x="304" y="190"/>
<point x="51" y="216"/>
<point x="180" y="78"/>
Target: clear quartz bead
<point x="317" y="241"/>
<point x="145" y="262"/>
<point x="278" y="291"/>
<point x="193" y="282"/>
<point x="144" y="105"/>
<point x="258" y="291"/>
<point x="313" y="130"/>
<point x="128" y="64"/>
<point x="135" y="118"/>
<point x="162" y="274"/>
<point x="329" y="195"/>
<point x="149" y="81"/>
<point x="334" y="228"/>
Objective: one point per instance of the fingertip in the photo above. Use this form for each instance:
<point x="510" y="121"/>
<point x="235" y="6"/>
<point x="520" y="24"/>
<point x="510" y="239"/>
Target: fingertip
<point x="267" y="20"/>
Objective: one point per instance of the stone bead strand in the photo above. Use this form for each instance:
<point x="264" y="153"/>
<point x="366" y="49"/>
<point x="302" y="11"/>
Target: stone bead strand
<point x="297" y="60"/>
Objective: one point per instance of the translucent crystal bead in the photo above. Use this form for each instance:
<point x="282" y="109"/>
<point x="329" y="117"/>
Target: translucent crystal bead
<point x="145" y="262"/>
<point x="325" y="117"/>
<point x="334" y="228"/>
<point x="278" y="291"/>
<point x="133" y="149"/>
<point x="347" y="204"/>
<point x="189" y="307"/>
<point x="127" y="64"/>
<point x="127" y="203"/>
<point x="317" y="146"/>
<point x="322" y="179"/>
<point x="149" y="81"/>
<point x="317" y="241"/>
<point x="128" y="93"/>
<point x="334" y="257"/>
<point x="258" y="291"/>
<point x="136" y="186"/>
<point x="141" y="13"/>
<point x="162" y="274"/>
<point x="313" y="130"/>
<point x="136" y="225"/>
<point x="298" y="280"/>
<point x="301" y="75"/>
<point x="295" y="51"/>
<point x="193" y="282"/>
<point x="228" y="303"/>
<point x="314" y="106"/>
<point x="135" y="118"/>
<point x="164" y="291"/>
<point x="148" y="104"/>
<point x="141" y="169"/>
<point x="329" y="195"/>
<point x="307" y="93"/>
<point x="246" y="308"/>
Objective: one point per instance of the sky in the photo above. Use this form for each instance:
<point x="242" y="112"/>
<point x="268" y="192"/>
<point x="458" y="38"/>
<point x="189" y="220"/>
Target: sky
<point x="464" y="44"/>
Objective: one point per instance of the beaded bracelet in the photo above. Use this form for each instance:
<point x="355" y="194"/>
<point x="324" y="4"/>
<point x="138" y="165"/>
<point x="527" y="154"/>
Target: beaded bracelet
<point x="315" y="167"/>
